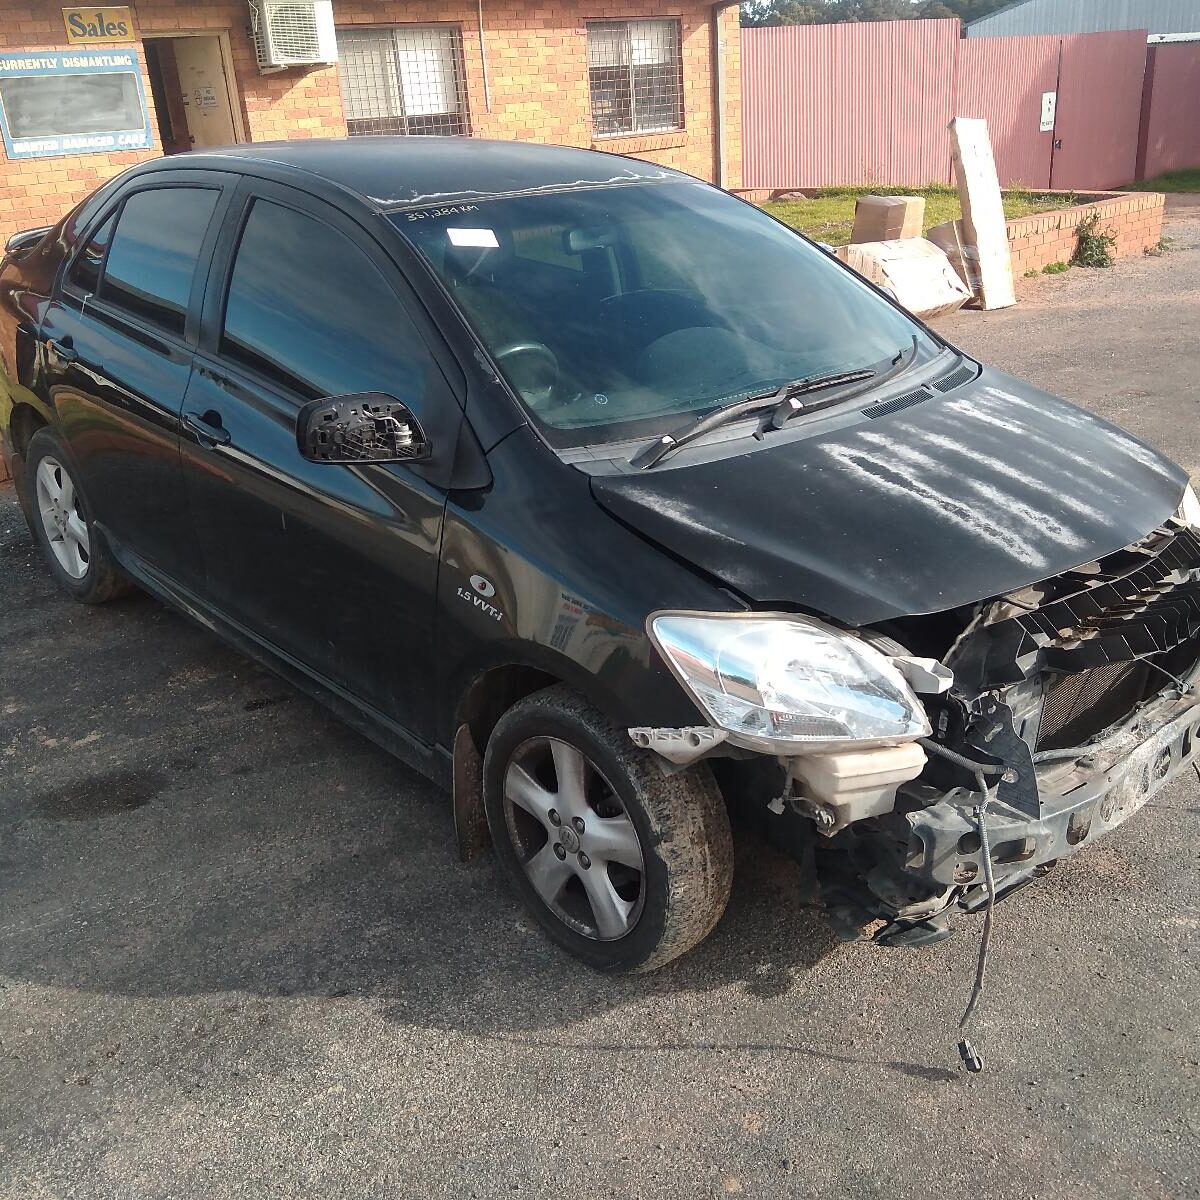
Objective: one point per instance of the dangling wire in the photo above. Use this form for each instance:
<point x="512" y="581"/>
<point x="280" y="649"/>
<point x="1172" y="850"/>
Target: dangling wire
<point x="966" y="1050"/>
<point x="1183" y="687"/>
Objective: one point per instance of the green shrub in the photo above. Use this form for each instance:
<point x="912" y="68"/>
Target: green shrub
<point x="1093" y="248"/>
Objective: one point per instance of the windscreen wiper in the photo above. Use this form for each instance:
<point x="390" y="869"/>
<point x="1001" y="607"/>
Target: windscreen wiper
<point x="790" y="395"/>
<point x="658" y="449"/>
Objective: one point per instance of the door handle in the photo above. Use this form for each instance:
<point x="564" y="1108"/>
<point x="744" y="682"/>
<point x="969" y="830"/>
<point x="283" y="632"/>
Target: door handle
<point x="63" y="349"/>
<point x="208" y="428"/>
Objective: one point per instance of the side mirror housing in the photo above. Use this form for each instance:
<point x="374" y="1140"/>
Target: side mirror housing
<point x="366" y="427"/>
<point x="25" y="238"/>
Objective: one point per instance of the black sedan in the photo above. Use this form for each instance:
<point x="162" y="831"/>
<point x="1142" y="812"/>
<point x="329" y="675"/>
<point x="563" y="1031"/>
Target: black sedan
<point x="617" y="506"/>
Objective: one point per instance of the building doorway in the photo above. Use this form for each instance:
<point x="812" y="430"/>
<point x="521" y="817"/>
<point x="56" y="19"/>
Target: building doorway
<point x="190" y="79"/>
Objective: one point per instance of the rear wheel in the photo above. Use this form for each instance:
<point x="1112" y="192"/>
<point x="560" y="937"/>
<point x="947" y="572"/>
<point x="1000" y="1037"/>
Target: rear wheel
<point x="62" y="527"/>
<point x="622" y="865"/>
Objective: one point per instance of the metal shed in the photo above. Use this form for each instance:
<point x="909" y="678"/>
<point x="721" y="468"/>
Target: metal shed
<point x="1092" y="16"/>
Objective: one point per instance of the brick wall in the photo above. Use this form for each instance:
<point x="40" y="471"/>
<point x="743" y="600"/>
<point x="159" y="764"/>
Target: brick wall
<point x="291" y="104"/>
<point x="537" y="59"/>
<point x="1134" y="218"/>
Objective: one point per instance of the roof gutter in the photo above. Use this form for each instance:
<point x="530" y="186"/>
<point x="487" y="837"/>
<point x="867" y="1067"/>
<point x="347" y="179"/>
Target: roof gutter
<point x="720" y="172"/>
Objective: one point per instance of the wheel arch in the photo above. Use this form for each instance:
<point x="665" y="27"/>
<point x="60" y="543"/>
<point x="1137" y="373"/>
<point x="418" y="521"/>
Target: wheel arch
<point x="24" y="421"/>
<point x="485" y="686"/>
<point x="494" y="691"/>
<point x="489" y="690"/>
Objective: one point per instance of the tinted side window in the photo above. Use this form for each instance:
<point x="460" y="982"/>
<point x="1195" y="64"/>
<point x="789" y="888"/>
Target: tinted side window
<point x="154" y="251"/>
<point x="308" y="308"/>
<point x="85" y="271"/>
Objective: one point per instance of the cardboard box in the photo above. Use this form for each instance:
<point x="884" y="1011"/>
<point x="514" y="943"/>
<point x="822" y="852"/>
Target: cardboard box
<point x="964" y="258"/>
<point x="913" y="270"/>
<point x="887" y="218"/>
<point x="984" y="228"/>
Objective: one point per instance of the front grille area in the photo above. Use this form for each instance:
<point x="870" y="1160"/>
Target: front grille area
<point x="1141" y="602"/>
<point x="1083" y="650"/>
<point x="1146" y="602"/>
<point x="1075" y="708"/>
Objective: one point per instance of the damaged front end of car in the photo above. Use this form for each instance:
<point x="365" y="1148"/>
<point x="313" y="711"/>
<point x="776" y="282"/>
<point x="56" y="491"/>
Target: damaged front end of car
<point x="1048" y="716"/>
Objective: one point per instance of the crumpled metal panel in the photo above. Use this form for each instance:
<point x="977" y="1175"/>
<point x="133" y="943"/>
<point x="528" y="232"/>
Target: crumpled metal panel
<point x="1140" y="601"/>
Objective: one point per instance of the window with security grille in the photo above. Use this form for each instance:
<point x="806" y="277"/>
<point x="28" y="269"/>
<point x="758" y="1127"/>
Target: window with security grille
<point x="406" y="79"/>
<point x="636" y="76"/>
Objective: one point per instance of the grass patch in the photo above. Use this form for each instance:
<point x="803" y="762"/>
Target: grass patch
<point x="1055" y="268"/>
<point x="1173" y="181"/>
<point x="828" y="214"/>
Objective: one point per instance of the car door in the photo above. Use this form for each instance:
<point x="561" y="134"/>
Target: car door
<point x="333" y="566"/>
<point x="117" y="344"/>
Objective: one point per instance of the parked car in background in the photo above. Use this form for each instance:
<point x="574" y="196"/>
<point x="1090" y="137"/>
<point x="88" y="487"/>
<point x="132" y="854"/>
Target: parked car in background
<point x="615" y="505"/>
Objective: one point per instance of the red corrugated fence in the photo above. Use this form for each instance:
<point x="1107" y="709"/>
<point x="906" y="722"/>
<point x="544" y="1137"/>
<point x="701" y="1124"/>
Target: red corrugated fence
<point x="870" y="103"/>
<point x="1099" y="109"/>
<point x="1003" y="80"/>
<point x="1170" y="139"/>
<point x="830" y="104"/>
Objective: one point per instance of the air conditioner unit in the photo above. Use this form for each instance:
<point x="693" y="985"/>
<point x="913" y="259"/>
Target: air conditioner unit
<point x="292" y="33"/>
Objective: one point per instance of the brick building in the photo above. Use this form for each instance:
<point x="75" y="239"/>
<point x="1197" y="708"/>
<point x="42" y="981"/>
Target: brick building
<point x="86" y="92"/>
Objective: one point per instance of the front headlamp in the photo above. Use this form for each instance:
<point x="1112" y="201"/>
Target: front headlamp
<point x="1189" y="508"/>
<point x="788" y="684"/>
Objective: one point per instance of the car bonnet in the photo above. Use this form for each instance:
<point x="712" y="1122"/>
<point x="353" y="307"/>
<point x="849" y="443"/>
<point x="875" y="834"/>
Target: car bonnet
<point x="961" y="497"/>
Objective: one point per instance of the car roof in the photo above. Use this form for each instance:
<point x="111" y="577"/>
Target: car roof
<point x="419" y="171"/>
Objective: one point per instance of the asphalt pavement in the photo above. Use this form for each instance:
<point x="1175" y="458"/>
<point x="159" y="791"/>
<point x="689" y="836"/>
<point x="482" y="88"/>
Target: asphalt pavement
<point x="239" y="957"/>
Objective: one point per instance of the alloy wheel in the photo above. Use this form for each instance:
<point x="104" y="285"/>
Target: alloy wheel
<point x="63" y="523"/>
<point x="574" y="839"/>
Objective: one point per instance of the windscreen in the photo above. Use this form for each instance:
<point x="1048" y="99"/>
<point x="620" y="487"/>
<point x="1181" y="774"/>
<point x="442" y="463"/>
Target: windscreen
<point x="616" y="311"/>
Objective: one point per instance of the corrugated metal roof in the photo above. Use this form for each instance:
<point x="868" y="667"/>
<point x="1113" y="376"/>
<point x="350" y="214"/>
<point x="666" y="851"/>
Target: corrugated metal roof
<point x="1094" y="16"/>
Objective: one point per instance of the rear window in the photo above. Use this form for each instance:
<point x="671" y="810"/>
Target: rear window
<point x="155" y="248"/>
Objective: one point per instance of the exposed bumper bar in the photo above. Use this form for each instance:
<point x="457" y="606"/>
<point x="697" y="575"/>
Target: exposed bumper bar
<point x="1080" y="800"/>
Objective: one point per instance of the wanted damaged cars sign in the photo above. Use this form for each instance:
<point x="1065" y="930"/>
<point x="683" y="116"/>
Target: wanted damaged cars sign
<point x="72" y="103"/>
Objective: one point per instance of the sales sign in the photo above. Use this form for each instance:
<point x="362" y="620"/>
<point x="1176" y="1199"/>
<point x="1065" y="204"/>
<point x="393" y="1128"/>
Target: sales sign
<point x="58" y="103"/>
<point x="86" y="26"/>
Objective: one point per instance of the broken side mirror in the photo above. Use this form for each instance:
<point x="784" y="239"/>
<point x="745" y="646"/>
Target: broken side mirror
<point x="25" y="238"/>
<point x="366" y="427"/>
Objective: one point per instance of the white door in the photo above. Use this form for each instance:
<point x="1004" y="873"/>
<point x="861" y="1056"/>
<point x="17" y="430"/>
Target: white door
<point x="206" y="97"/>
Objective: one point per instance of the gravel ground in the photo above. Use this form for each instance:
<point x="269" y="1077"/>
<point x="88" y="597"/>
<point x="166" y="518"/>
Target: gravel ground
<point x="238" y="956"/>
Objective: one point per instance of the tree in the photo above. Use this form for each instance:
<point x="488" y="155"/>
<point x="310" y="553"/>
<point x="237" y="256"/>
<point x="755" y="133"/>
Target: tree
<point x="783" y="12"/>
<point x="817" y="12"/>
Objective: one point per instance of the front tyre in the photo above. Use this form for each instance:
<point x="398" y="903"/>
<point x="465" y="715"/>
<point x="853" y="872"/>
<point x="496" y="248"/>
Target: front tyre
<point x="58" y="518"/>
<point x="623" y="866"/>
